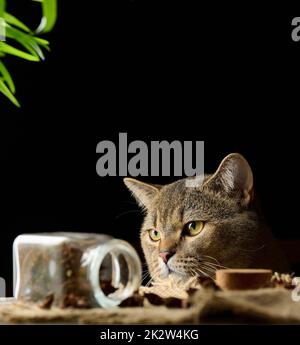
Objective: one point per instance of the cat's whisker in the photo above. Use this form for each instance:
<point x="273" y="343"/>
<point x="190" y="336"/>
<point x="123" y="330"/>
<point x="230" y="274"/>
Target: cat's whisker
<point x="200" y="264"/>
<point x="207" y="264"/>
<point x="211" y="257"/>
<point x="125" y="213"/>
<point x="149" y="283"/>
<point x="192" y="272"/>
<point x="196" y="274"/>
<point x="209" y="269"/>
<point x="154" y="276"/>
<point x="145" y="276"/>
<point x="195" y="270"/>
<point x="143" y="279"/>
<point x="253" y="250"/>
<point x="208" y="275"/>
<point x="215" y="265"/>
<point x="204" y="273"/>
<point x="220" y="266"/>
<point x="145" y="273"/>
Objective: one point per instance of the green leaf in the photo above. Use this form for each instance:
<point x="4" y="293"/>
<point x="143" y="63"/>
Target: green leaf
<point x="41" y="41"/>
<point x="26" y="40"/>
<point x="49" y="8"/>
<point x="10" y="19"/>
<point x="5" y="90"/>
<point x="8" y="49"/>
<point x="7" y="77"/>
<point x="2" y="7"/>
<point x="19" y="32"/>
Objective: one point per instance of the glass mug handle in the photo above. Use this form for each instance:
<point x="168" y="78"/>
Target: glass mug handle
<point x="114" y="248"/>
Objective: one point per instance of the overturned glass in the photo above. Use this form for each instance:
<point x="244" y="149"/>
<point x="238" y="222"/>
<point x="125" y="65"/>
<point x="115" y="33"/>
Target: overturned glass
<point x="74" y="269"/>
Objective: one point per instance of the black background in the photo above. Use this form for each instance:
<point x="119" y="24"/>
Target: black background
<point x="225" y="74"/>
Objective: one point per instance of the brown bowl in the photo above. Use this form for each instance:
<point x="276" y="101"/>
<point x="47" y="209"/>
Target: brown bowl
<point x="243" y="279"/>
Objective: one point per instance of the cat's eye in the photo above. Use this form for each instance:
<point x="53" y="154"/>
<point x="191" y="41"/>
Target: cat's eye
<point x="193" y="228"/>
<point x="154" y="235"/>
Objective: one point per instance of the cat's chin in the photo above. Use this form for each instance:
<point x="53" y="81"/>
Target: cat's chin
<point x="176" y="276"/>
<point x="167" y="272"/>
<point x="176" y="279"/>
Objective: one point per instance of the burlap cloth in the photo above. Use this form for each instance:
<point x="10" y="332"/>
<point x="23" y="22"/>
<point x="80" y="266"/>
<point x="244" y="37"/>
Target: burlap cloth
<point x="273" y="305"/>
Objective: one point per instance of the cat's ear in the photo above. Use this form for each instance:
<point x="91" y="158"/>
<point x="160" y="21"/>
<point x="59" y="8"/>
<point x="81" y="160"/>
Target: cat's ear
<point x="234" y="176"/>
<point x="143" y="192"/>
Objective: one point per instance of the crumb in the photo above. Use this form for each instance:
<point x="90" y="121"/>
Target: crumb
<point x="47" y="302"/>
<point x="136" y="300"/>
<point x="282" y="280"/>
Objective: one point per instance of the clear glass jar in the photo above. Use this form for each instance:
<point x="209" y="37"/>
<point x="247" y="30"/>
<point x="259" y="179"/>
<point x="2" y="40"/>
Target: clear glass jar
<point x="74" y="269"/>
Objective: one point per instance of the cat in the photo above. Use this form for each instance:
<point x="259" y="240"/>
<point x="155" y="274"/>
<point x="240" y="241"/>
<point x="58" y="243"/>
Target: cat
<point x="192" y="232"/>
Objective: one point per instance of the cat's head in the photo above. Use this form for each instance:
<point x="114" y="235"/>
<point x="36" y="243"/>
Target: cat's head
<point x="192" y="231"/>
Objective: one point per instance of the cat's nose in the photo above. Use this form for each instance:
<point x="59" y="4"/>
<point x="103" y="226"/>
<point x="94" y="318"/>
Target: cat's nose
<point x="165" y="256"/>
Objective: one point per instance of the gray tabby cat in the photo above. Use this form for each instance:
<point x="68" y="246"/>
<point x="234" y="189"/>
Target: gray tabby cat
<point x="191" y="232"/>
